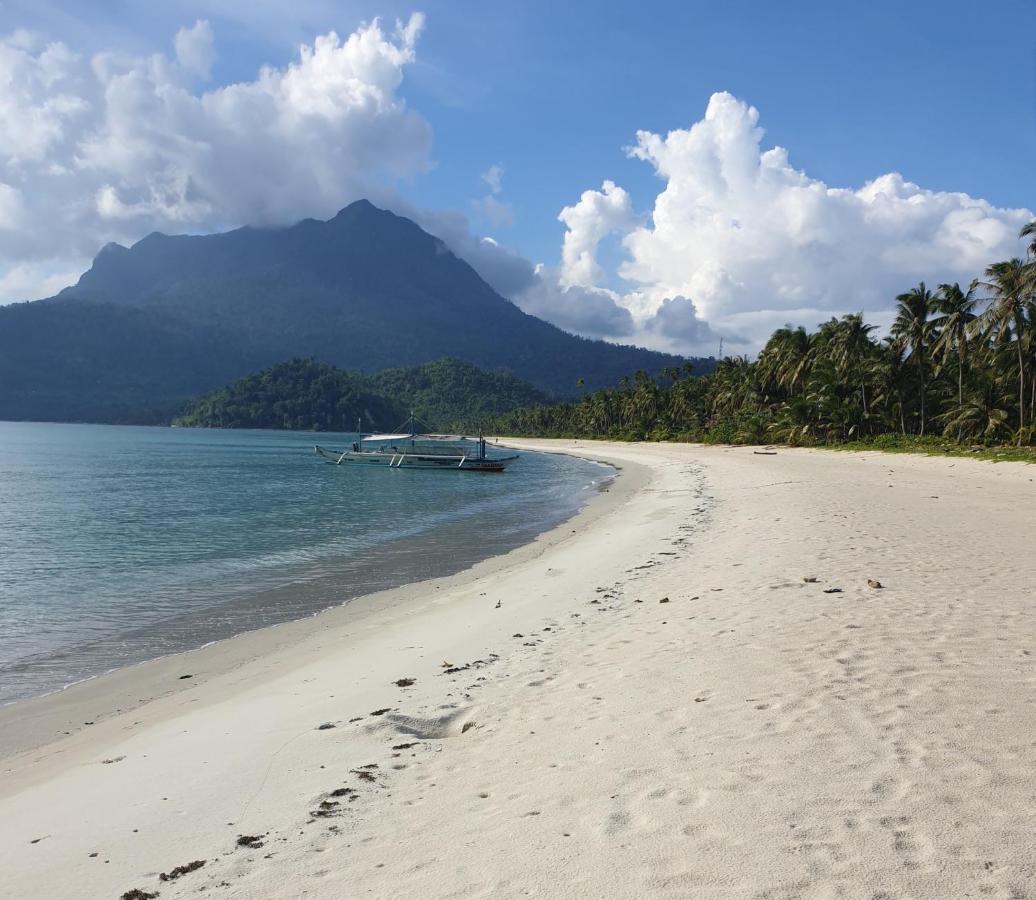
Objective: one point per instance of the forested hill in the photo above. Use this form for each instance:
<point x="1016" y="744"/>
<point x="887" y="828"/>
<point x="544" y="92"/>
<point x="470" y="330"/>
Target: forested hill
<point x="303" y="394"/>
<point x="452" y="395"/>
<point x="149" y="326"/>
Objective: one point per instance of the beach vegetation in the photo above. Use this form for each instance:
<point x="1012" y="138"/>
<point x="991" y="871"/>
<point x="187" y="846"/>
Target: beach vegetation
<point x="957" y="373"/>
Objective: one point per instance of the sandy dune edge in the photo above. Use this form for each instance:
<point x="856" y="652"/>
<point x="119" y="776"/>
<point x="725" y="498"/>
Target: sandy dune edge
<point x="752" y="736"/>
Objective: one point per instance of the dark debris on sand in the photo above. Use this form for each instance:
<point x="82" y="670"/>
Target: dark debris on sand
<point x="252" y="841"/>
<point x="326" y="809"/>
<point x="404" y="682"/>
<point x="182" y="870"/>
<point x="138" y="894"/>
<point x="475" y="663"/>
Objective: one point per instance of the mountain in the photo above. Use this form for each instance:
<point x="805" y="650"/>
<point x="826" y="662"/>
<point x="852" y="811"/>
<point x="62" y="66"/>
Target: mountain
<point x="151" y="325"/>
<point x="304" y="394"/>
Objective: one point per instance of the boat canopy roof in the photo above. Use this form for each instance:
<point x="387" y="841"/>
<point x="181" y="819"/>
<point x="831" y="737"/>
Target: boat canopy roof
<point x="381" y="438"/>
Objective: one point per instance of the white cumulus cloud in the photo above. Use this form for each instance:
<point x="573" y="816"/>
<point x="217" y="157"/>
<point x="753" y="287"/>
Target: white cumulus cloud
<point x="111" y="147"/>
<point x="588" y="222"/>
<point x="740" y="239"/>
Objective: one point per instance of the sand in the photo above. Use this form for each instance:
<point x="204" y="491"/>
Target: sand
<point x="648" y="701"/>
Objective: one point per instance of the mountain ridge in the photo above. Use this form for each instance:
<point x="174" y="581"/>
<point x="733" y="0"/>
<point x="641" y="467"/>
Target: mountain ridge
<point x="365" y="290"/>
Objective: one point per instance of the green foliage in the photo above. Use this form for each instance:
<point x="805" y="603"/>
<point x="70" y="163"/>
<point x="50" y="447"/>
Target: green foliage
<point x="451" y="395"/>
<point x="968" y="373"/>
<point x="935" y="445"/>
<point x="307" y="395"/>
<point x="298" y="395"/>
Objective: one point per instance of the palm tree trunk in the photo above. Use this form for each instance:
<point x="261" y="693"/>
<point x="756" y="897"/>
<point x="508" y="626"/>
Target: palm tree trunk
<point x="920" y="365"/>
<point x="1032" y="396"/>
<point x="1021" y="389"/>
<point x="960" y="388"/>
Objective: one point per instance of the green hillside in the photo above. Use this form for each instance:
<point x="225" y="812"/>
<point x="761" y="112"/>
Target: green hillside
<point x="451" y="395"/>
<point x="304" y="394"/>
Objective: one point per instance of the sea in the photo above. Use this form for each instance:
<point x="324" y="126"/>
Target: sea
<point x="120" y="544"/>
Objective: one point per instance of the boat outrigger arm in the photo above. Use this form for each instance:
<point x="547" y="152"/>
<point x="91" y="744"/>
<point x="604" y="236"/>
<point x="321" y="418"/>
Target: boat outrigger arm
<point x="412" y="450"/>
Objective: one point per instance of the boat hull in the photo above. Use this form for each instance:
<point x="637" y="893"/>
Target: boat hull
<point x="396" y="460"/>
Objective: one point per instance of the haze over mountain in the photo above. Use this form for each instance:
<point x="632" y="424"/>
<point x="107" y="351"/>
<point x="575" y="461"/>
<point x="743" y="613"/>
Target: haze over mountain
<point x="147" y="327"/>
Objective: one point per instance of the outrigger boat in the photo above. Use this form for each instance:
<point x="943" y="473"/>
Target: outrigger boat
<point x="418" y="451"/>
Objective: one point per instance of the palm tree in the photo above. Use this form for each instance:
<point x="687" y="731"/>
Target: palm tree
<point x="785" y="358"/>
<point x="982" y="415"/>
<point x="850" y="347"/>
<point x="734" y="386"/>
<point x="955" y="325"/>
<point x="894" y="369"/>
<point x="1005" y="317"/>
<point x="912" y="326"/>
<point x="1029" y="231"/>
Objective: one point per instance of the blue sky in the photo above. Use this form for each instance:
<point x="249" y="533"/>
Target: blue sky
<point x="942" y="93"/>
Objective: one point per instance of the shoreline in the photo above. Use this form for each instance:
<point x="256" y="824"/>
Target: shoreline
<point x="31" y="723"/>
<point x="220" y="607"/>
<point x="692" y="691"/>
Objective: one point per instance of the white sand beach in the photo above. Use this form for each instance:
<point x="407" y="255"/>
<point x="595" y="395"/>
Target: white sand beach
<point x="651" y="700"/>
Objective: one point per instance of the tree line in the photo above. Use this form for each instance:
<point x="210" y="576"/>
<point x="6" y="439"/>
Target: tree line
<point x="960" y="362"/>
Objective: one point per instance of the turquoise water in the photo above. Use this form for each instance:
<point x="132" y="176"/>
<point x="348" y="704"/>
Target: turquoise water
<point x="119" y="544"/>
